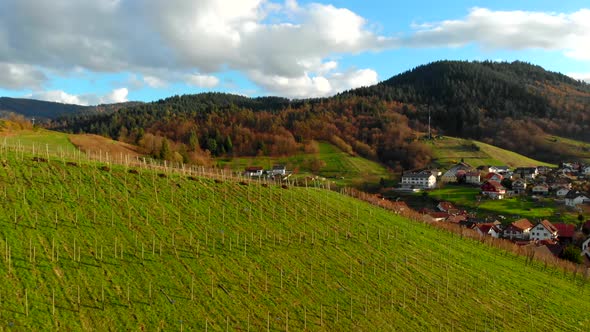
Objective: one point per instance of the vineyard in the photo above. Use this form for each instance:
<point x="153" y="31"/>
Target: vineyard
<point x="91" y="245"/>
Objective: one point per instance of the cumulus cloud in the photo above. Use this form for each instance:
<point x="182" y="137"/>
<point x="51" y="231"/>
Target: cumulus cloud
<point x="319" y="86"/>
<point x="20" y="76"/>
<point x="273" y="43"/>
<point x="202" y="81"/>
<point x="270" y="38"/>
<point x="115" y="96"/>
<point x="511" y="30"/>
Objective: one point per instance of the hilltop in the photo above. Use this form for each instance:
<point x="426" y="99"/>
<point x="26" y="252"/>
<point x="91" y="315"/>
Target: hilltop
<point x="88" y="245"/>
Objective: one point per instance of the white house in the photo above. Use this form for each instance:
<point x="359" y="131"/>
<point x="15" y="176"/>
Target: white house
<point x="528" y="173"/>
<point x="540" y="189"/>
<point x="451" y="174"/>
<point x="254" y="171"/>
<point x="473" y="177"/>
<point x="278" y="170"/>
<point x="488" y="229"/>
<point x="561" y="192"/>
<point x="498" y="169"/>
<point x="422" y="180"/>
<point x="519" y="186"/>
<point x="544" y="231"/>
<point x="574" y="198"/>
<point x="520" y="229"/>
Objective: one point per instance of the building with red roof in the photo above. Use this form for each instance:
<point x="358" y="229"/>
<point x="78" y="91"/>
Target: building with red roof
<point x="565" y="232"/>
<point x="519" y="229"/>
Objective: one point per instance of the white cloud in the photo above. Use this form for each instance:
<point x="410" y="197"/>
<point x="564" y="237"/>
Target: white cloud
<point x="271" y="42"/>
<point x="317" y="86"/>
<point x="178" y="36"/>
<point x="511" y="30"/>
<point x="154" y="82"/>
<point x="115" y="96"/>
<point x="580" y="76"/>
<point x="20" y="76"/>
<point x="202" y="81"/>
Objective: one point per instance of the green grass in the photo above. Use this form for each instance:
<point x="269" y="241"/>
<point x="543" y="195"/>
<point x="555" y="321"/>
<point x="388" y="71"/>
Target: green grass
<point x="450" y="150"/>
<point x="576" y="149"/>
<point x="512" y="208"/>
<point x="40" y="140"/>
<point x="339" y="167"/>
<point x="251" y="255"/>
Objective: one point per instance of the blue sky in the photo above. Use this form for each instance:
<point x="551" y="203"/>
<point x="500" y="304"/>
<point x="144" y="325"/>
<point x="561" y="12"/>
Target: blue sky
<point x="102" y="51"/>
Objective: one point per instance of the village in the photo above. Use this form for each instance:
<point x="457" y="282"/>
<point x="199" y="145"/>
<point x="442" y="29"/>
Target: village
<point x="564" y="186"/>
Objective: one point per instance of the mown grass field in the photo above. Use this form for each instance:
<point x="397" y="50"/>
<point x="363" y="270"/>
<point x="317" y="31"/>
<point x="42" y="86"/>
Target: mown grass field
<point x="512" y="208"/>
<point x="82" y="248"/>
<point x="450" y="150"/>
<point x="337" y="166"/>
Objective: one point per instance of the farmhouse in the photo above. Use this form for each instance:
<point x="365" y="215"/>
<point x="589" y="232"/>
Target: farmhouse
<point x="473" y="177"/>
<point x="575" y="198"/>
<point x="494" y="177"/>
<point x="544" y="231"/>
<point x="421" y="180"/>
<point x="561" y="192"/>
<point x="278" y="170"/>
<point x="451" y="174"/>
<point x="253" y="171"/>
<point x="519" y="229"/>
<point x="493" y="190"/>
<point x="499" y="169"/>
<point x="540" y="189"/>
<point x="519" y="186"/>
<point x="488" y="229"/>
<point x="527" y="173"/>
<point x="565" y="232"/>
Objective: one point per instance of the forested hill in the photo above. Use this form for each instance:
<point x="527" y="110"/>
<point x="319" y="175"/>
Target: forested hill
<point x="463" y="97"/>
<point x="511" y="105"/>
<point x="47" y="110"/>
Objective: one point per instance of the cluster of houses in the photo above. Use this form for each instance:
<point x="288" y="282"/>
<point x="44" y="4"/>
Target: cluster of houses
<point x="499" y="182"/>
<point x="543" y="235"/>
<point x="276" y="171"/>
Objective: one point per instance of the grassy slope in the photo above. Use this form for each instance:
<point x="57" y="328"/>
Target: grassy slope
<point x="450" y="150"/>
<point x="341" y="167"/>
<point x="136" y="232"/>
<point x="39" y="139"/>
<point x="577" y="149"/>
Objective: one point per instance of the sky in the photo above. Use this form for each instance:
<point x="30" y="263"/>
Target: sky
<point x="104" y="51"/>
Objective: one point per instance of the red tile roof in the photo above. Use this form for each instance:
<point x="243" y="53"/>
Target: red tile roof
<point x="548" y="226"/>
<point x="522" y="224"/>
<point x="445" y="206"/>
<point x="491" y="175"/>
<point x="565" y="230"/>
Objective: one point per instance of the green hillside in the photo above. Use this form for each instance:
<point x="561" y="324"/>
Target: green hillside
<point x="86" y="247"/>
<point x="576" y="150"/>
<point x="329" y="162"/>
<point x="450" y="150"/>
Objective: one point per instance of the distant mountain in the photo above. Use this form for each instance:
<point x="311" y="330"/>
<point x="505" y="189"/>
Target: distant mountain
<point x="46" y="110"/>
